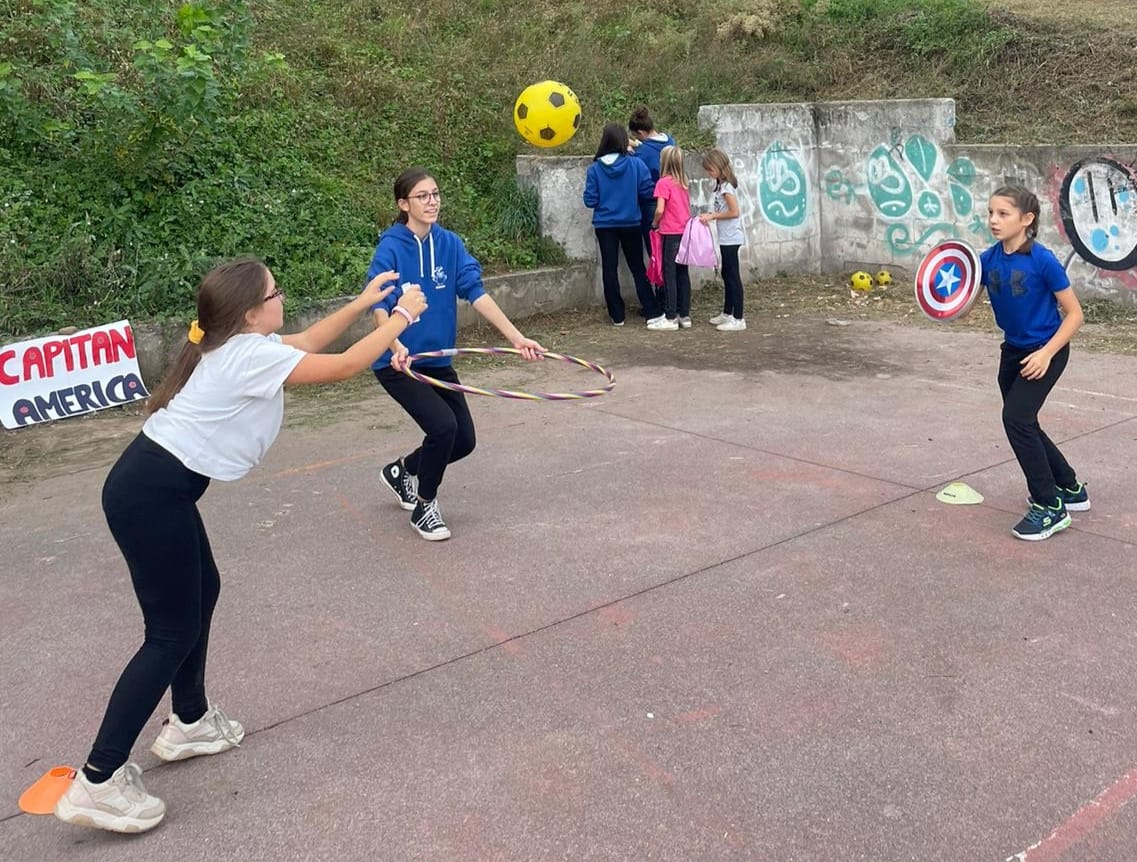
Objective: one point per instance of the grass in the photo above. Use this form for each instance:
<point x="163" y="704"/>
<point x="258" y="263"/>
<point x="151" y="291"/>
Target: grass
<point x="116" y="207"/>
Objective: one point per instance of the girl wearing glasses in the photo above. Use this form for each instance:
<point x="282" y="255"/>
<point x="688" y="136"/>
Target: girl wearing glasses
<point x="427" y="255"/>
<point x="213" y="417"/>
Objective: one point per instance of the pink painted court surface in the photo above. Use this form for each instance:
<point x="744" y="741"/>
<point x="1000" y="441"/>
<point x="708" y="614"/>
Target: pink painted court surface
<point x="714" y="614"/>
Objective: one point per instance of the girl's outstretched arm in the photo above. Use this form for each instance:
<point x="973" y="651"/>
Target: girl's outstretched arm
<point x="326" y="330"/>
<point x="333" y="367"/>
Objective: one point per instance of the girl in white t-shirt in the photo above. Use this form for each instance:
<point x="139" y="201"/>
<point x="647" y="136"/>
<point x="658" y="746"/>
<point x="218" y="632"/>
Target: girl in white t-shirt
<point x="725" y="215"/>
<point x="213" y="417"/>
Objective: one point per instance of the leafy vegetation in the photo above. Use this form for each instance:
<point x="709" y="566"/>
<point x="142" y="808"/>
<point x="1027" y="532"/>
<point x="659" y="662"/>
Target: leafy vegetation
<point x="140" y="141"/>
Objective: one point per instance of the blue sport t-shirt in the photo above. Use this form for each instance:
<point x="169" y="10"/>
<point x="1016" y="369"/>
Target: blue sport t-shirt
<point x="1021" y="287"/>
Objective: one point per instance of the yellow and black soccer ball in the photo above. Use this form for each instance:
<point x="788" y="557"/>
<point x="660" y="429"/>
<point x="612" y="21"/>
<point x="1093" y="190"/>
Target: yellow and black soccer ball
<point x="861" y="281"/>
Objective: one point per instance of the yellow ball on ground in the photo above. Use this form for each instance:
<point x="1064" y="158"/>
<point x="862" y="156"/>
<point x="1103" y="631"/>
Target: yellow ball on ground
<point x="860" y="281"/>
<point x="547" y="114"/>
<point x="884" y="277"/>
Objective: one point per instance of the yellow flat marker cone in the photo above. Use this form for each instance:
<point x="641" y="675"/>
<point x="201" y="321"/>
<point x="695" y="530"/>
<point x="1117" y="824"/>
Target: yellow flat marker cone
<point x="41" y="797"/>
<point x="959" y="494"/>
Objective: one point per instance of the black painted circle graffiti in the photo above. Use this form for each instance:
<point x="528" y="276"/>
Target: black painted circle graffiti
<point x="1098" y="208"/>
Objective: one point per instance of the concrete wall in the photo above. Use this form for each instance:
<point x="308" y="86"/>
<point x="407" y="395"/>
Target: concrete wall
<point x="833" y="187"/>
<point x="519" y="294"/>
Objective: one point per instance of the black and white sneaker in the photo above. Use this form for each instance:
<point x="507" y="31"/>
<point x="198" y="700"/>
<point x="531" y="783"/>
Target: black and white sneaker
<point x="402" y="484"/>
<point x="427" y="521"/>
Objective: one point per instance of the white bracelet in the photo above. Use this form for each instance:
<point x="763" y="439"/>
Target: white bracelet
<point x="405" y="314"/>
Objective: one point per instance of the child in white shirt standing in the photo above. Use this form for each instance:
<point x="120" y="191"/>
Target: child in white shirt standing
<point x="725" y="215"/>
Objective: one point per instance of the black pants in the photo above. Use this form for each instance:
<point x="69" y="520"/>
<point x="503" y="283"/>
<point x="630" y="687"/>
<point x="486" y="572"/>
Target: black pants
<point x="443" y="416"/>
<point x="611" y="240"/>
<point x="1040" y="460"/>
<point x="732" y="282"/>
<point x="150" y="503"/>
<point x="676" y="279"/>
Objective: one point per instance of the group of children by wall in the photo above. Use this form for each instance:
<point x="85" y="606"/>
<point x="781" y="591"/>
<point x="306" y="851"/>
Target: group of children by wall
<point x="637" y="184"/>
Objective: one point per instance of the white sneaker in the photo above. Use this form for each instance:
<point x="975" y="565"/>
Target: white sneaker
<point x="684" y="323"/>
<point x="652" y="320"/>
<point x="664" y="325"/>
<point x="732" y="324"/>
<point x="720" y="318"/>
<point x="119" y="804"/>
<point x="213" y="733"/>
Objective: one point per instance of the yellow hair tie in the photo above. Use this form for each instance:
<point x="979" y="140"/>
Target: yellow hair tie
<point x="196" y="333"/>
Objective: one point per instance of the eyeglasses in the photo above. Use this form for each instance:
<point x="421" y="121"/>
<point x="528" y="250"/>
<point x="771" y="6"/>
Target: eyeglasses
<point x="424" y="197"/>
<point x="274" y="295"/>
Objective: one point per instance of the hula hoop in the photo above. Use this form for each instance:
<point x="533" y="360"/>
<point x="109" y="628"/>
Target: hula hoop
<point x="510" y="393"/>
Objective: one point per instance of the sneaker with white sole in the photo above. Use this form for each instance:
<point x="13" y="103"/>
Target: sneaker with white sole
<point x="684" y="323"/>
<point x="119" y="804"/>
<point x="652" y="320"/>
<point x="720" y="318"/>
<point x="732" y="324"/>
<point x="427" y="521"/>
<point x="664" y="325"/>
<point x="1042" y="522"/>
<point x="402" y="484"/>
<point x="1075" y="499"/>
<point x="213" y="733"/>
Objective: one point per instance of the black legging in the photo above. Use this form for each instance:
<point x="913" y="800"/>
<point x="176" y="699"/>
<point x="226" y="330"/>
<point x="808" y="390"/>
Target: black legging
<point x="442" y="415"/>
<point x="1042" y="463"/>
<point x="613" y="240"/>
<point x="732" y="282"/>
<point x="149" y="499"/>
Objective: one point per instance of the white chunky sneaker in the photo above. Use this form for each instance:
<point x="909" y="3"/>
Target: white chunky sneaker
<point x="733" y="324"/>
<point x="119" y="804"/>
<point x="720" y="318"/>
<point x="213" y="733"/>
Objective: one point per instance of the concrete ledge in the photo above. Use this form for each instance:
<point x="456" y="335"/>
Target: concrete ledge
<point x="520" y="295"/>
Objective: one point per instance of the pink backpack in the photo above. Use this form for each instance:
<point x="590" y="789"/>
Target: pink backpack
<point x="697" y="248"/>
<point x="655" y="261"/>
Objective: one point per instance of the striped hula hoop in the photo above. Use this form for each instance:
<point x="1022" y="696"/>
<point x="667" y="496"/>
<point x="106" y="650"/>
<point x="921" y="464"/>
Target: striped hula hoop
<point x="509" y="393"/>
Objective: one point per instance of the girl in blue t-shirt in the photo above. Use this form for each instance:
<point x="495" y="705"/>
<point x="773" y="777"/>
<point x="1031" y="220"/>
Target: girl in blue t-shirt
<point x="1028" y="287"/>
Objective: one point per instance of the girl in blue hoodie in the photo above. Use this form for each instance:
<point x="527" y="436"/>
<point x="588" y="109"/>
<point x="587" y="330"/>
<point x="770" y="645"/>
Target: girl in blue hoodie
<point x="426" y="254"/>
<point x="614" y="188"/>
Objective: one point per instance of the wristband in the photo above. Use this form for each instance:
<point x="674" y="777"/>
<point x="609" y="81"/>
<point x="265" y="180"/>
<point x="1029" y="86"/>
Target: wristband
<point x="405" y="313"/>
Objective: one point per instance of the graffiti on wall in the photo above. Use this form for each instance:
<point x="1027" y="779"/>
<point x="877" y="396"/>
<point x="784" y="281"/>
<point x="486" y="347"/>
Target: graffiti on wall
<point x="910" y="185"/>
<point x="783" y="191"/>
<point x="773" y="190"/>
<point x="1097" y="210"/>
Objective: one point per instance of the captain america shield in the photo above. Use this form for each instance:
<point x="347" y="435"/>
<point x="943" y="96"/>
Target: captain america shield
<point x="949" y="280"/>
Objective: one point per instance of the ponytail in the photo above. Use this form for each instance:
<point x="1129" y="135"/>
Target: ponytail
<point x="226" y="294"/>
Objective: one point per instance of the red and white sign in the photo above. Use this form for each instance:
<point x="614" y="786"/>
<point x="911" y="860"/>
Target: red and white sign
<point x="949" y="280"/>
<point x="68" y="375"/>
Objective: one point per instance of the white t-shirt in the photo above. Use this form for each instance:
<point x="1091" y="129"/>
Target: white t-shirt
<point x="221" y="423"/>
<point x="730" y="229"/>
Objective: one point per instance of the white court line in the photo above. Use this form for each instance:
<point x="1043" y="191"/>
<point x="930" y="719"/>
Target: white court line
<point x="1089" y="392"/>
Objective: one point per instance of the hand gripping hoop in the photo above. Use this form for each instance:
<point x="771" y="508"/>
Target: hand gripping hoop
<point x="510" y="393"/>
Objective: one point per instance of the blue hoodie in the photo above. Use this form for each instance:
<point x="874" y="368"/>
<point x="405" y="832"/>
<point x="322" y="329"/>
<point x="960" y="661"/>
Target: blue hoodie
<point x="444" y="270"/>
<point x="614" y="189"/>
<point x="650" y="150"/>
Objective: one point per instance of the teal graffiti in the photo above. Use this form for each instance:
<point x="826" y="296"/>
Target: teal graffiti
<point x="930" y="205"/>
<point x="899" y="238"/>
<point x="962" y="171"/>
<point x="889" y="187"/>
<point x="922" y="155"/>
<point x="961" y="199"/>
<point x="782" y="192"/>
<point x="837" y="187"/>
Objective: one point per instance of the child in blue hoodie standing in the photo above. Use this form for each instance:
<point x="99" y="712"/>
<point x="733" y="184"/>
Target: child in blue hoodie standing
<point x="426" y="254"/>
<point x="614" y="189"/>
<point x="647" y="145"/>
